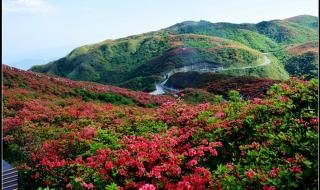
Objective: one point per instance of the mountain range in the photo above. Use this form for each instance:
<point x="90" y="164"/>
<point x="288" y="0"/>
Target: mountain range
<point x="139" y="62"/>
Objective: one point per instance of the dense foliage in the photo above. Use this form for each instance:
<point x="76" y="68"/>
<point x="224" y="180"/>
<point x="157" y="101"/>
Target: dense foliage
<point x="304" y="65"/>
<point x="61" y="140"/>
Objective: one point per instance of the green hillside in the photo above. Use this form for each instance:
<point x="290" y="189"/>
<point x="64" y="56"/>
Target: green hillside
<point x="274" y="70"/>
<point x="264" y="36"/>
<point x="137" y="62"/>
<point x="285" y="32"/>
<point x="243" y="33"/>
<point x="301" y="60"/>
<point x="305" y="20"/>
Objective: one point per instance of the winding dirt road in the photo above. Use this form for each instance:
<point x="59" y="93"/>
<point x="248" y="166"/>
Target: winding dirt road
<point x="161" y="88"/>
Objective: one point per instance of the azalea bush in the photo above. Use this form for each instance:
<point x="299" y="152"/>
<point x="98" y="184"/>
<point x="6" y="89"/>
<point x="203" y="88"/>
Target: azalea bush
<point x="60" y="141"/>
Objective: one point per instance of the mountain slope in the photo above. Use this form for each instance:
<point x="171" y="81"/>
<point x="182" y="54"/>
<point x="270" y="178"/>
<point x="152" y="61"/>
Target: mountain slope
<point x="263" y="36"/>
<point x="61" y="139"/>
<point x="138" y="62"/>
<point x="33" y="84"/>
<point x="243" y="33"/>
<point x="122" y="62"/>
<point x="305" y="20"/>
<point x="285" y="32"/>
<point x="301" y="60"/>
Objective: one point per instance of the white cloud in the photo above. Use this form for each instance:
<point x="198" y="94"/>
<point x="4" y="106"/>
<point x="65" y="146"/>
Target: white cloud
<point x="26" y="6"/>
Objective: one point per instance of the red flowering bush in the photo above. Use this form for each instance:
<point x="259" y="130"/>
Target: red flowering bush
<point x="58" y="140"/>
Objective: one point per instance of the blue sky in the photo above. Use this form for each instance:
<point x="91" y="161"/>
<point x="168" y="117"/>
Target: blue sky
<point x="48" y="29"/>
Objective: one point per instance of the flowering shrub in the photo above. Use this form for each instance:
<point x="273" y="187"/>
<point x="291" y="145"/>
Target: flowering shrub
<point x="60" y="141"/>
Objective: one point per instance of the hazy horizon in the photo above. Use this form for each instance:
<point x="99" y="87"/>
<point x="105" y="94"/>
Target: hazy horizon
<point x="47" y="29"/>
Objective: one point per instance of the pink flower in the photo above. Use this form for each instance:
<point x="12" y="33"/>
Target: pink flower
<point x="156" y="172"/>
<point x="220" y="115"/>
<point x="212" y="144"/>
<point x="8" y="138"/>
<point x="193" y="162"/>
<point x="256" y="100"/>
<point x="192" y="152"/>
<point x="213" y="152"/>
<point x="274" y="172"/>
<point x="147" y="187"/>
<point x="283" y="99"/>
<point x="69" y="186"/>
<point x="229" y="166"/>
<point x="219" y="144"/>
<point x="88" y="133"/>
<point x="204" y="141"/>
<point x="90" y="186"/>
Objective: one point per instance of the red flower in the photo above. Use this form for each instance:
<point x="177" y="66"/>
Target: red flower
<point x="26" y="167"/>
<point x="263" y="179"/>
<point x="268" y="187"/>
<point x="297" y="169"/>
<point x="250" y="173"/>
<point x="108" y="165"/>
<point x="292" y="160"/>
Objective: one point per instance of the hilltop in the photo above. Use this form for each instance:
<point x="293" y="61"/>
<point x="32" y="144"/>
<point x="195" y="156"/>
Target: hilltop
<point x="264" y="36"/>
<point x="305" y="20"/>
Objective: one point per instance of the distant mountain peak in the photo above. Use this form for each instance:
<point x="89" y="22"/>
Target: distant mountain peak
<point x="303" y="16"/>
